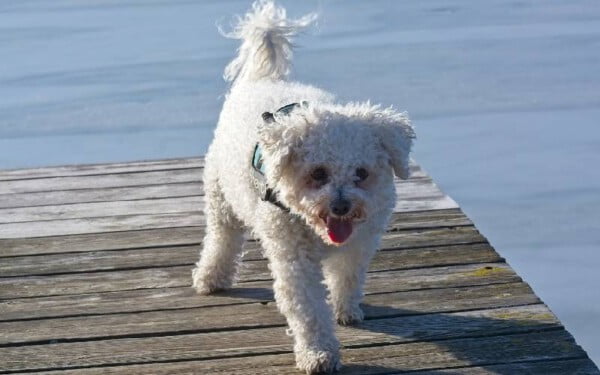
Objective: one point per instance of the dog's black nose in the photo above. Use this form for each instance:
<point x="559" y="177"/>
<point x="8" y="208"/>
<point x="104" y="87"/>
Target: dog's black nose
<point x="340" y="206"/>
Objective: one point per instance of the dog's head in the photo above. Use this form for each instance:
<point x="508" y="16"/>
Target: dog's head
<point x="334" y="165"/>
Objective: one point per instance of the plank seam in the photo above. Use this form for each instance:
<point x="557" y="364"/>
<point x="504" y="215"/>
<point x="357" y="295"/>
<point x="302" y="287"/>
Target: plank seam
<point x="4" y="298"/>
<point x="499" y="260"/>
<point x="100" y="201"/>
<point x="392" y="230"/>
<point x="193" y="159"/>
<point x="154" y="247"/>
<point x="135" y="199"/>
<point x="108" y="173"/>
<point x="200" y="181"/>
<point x="275" y="352"/>
<point x="103" y="187"/>
<point x="262" y="302"/>
<point x="185" y="332"/>
<point x="194" y="180"/>
<point x="544" y="360"/>
<point x="384" y="250"/>
<point x="388" y="231"/>
<point x="105" y="217"/>
<point x="250" y="240"/>
<point x="560" y="359"/>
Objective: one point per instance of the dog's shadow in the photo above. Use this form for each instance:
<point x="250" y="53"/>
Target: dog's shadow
<point x="434" y="341"/>
<point x="254" y="294"/>
<point x="428" y="342"/>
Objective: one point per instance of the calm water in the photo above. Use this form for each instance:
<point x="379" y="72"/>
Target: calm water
<point x="505" y="96"/>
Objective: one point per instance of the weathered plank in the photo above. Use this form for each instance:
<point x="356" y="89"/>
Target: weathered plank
<point x="64" y="197"/>
<point x="452" y="217"/>
<point x="406" y="239"/>
<point x="135" y="178"/>
<point x="420" y="190"/>
<point x="400" y="259"/>
<point x="164" y="256"/>
<point x="159" y="220"/>
<point x="142" y="214"/>
<point x="255" y="315"/>
<point x="544" y="367"/>
<point x="125" y="167"/>
<point x="406" y="188"/>
<point x="442" y="354"/>
<point x="191" y="235"/>
<point x="254" y="291"/>
<point x="100" y="225"/>
<point x="101" y="241"/>
<point x="396" y="330"/>
<point x="104" y="168"/>
<point x="163" y="277"/>
<point x="101" y="181"/>
<point x="101" y="209"/>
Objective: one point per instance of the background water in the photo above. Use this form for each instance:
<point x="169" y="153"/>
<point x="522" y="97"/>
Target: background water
<point x="505" y="96"/>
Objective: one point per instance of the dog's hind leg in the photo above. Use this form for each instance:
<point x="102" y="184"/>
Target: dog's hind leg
<point x="222" y="244"/>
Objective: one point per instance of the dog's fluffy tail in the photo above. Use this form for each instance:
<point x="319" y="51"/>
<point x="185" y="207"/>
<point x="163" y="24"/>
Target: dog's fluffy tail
<point x="266" y="49"/>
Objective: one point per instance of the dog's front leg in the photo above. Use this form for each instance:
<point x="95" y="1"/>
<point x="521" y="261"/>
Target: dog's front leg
<point x="301" y="297"/>
<point x="345" y="273"/>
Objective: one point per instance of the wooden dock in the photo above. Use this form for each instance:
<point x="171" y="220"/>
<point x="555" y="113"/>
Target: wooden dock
<point x="95" y="273"/>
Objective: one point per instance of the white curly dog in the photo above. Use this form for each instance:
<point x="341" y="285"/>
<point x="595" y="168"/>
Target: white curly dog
<point x="311" y="177"/>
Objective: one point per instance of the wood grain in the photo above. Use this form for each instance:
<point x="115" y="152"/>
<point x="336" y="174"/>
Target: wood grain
<point x="555" y="367"/>
<point x="101" y="181"/>
<point x="255" y="315"/>
<point x="66" y="197"/>
<point x="101" y="209"/>
<point x="184" y="296"/>
<point x="125" y="167"/>
<point x="190" y="235"/>
<point x="128" y="222"/>
<point x="133" y="178"/>
<point x="150" y="190"/>
<point x="163" y="277"/>
<point x="419" y="190"/>
<point x="388" y="331"/>
<point x="390" y="358"/>
<point x="104" y="168"/>
<point x="100" y="225"/>
<point x="187" y="255"/>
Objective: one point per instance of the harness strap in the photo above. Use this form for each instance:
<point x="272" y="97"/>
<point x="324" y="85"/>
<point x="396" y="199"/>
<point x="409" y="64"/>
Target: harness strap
<point x="269" y="194"/>
<point x="271" y="197"/>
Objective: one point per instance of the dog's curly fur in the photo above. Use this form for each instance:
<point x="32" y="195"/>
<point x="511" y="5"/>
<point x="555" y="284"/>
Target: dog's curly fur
<point x="318" y="253"/>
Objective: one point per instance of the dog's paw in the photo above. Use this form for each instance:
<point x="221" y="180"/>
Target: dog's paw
<point x="318" y="361"/>
<point x="207" y="284"/>
<point x="349" y="315"/>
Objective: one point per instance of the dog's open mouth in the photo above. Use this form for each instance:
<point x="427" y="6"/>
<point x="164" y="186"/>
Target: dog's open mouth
<point x="338" y="229"/>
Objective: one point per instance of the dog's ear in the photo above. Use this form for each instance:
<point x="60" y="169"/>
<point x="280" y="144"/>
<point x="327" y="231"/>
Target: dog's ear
<point x="396" y="135"/>
<point x="278" y="141"/>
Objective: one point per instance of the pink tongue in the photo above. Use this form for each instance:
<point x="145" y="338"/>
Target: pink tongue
<point x="338" y="230"/>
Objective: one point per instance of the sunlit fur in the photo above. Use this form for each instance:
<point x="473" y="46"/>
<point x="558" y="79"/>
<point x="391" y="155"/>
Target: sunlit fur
<point x="316" y="281"/>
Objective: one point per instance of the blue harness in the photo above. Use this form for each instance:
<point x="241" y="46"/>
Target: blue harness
<point x="267" y="193"/>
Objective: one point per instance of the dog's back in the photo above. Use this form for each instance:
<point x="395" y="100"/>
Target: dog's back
<point x="258" y="77"/>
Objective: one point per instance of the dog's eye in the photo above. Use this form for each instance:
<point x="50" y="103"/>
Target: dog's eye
<point x="362" y="174"/>
<point x="319" y="174"/>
